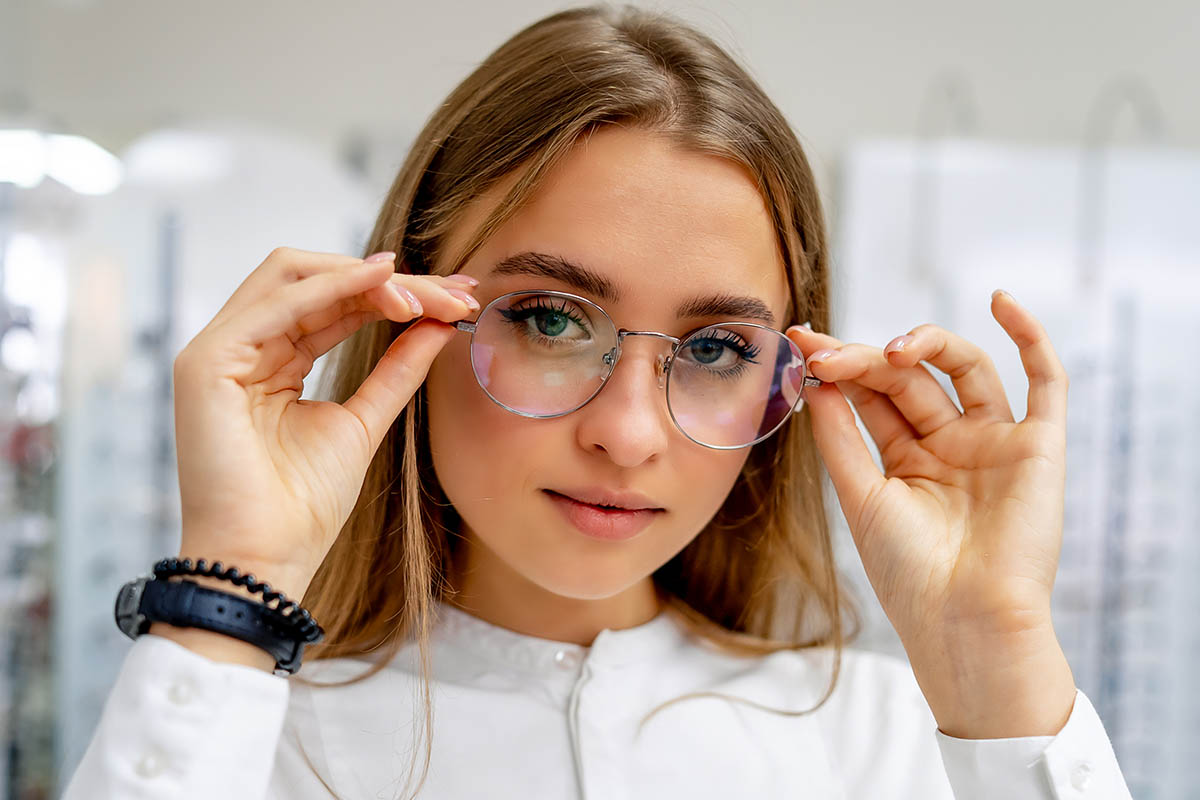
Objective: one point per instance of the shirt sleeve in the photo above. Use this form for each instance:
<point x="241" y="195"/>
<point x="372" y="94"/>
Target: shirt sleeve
<point x="180" y="726"/>
<point x="1076" y="764"/>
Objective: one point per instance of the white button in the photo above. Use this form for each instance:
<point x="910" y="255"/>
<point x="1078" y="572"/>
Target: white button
<point x="151" y="764"/>
<point x="567" y="659"/>
<point x="1081" y="775"/>
<point x="181" y="692"/>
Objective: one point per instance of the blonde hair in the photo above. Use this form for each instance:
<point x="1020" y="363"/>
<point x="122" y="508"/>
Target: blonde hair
<point x="760" y="576"/>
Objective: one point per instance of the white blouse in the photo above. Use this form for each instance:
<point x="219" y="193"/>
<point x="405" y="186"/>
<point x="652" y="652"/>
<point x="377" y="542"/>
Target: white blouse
<point x="522" y="717"/>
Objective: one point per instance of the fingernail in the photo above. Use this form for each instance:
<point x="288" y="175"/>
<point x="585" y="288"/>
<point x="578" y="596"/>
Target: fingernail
<point x="384" y="255"/>
<point x="1006" y="294"/>
<point x="410" y="298"/>
<point x="822" y="355"/>
<point x="467" y="279"/>
<point x="898" y="344"/>
<point x="466" y="298"/>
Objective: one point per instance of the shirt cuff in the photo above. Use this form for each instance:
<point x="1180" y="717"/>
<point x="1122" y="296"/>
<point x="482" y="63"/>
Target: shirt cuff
<point x="180" y="725"/>
<point x="1076" y="764"/>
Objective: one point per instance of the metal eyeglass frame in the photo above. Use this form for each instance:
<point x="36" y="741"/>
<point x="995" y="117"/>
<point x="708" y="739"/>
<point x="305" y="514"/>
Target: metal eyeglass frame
<point x="613" y="356"/>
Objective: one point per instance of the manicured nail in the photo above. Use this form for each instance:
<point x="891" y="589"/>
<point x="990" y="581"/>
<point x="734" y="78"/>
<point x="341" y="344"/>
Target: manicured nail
<point x="822" y="355"/>
<point x="467" y="279"/>
<point x="410" y="298"/>
<point x="385" y="255"/>
<point x="466" y="298"/>
<point x="898" y="344"/>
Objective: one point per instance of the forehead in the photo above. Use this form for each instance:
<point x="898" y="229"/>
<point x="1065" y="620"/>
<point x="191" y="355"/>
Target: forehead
<point x="657" y="220"/>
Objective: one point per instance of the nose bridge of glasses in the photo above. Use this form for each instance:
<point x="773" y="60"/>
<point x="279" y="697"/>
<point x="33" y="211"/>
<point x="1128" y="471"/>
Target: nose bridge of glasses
<point x="662" y="359"/>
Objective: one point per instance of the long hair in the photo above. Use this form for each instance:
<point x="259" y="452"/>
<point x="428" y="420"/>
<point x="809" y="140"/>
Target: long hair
<point x="760" y="576"/>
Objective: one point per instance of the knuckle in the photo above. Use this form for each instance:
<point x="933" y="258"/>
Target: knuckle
<point x="926" y="328"/>
<point x="185" y="363"/>
<point x="852" y="348"/>
<point x="179" y="366"/>
<point x="408" y="375"/>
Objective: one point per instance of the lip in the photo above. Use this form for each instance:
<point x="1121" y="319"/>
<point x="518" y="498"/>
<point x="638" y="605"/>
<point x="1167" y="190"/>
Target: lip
<point x="599" y="496"/>
<point x="599" y="523"/>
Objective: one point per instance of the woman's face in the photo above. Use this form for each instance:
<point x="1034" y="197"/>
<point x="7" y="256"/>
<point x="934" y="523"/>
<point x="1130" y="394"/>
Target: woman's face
<point x="663" y="226"/>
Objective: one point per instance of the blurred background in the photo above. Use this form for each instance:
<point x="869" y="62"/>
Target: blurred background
<point x="152" y="154"/>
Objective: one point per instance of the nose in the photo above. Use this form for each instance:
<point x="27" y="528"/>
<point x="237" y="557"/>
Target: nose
<point x="629" y="419"/>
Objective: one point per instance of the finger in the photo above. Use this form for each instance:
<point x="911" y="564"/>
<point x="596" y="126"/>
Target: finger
<point x="441" y="298"/>
<point x="394" y="380"/>
<point x="400" y="299"/>
<point x="285" y="365"/>
<point x="279" y="313"/>
<point x="810" y="341"/>
<point x="971" y="369"/>
<point x="883" y="421"/>
<point x="327" y="330"/>
<point x="318" y="343"/>
<point x="887" y="426"/>
<point x="292" y="355"/>
<point x="1048" y="381"/>
<point x="850" y="464"/>
<point x="282" y="266"/>
<point x="913" y="391"/>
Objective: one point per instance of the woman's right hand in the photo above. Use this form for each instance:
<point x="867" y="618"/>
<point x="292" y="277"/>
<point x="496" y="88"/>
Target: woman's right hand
<point x="267" y="480"/>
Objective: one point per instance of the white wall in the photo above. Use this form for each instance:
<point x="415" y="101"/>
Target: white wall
<point x="839" y="69"/>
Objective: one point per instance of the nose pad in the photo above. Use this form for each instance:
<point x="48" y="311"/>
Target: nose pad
<point x="660" y="363"/>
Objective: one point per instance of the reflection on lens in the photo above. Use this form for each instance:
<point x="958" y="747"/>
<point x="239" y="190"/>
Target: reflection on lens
<point x="542" y="354"/>
<point x="727" y="383"/>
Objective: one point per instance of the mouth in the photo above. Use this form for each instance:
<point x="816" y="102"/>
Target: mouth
<point x="608" y="500"/>
<point x="603" y="521"/>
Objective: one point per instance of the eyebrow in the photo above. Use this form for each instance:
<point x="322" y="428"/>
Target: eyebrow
<point x="590" y="282"/>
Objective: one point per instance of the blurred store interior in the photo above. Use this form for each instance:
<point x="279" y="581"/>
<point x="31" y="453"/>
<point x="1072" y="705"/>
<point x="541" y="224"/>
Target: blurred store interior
<point x="152" y="154"/>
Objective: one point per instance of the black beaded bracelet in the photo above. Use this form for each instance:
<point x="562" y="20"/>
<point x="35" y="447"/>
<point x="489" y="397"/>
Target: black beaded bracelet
<point x="288" y="612"/>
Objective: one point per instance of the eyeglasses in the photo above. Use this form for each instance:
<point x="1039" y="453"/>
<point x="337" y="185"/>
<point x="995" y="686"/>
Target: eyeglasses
<point x="544" y="354"/>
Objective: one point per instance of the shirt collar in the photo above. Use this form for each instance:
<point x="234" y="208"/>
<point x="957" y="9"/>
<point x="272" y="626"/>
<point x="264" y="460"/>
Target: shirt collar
<point x="469" y="635"/>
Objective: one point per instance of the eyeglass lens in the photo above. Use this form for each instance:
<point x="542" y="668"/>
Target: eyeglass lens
<point x="544" y="355"/>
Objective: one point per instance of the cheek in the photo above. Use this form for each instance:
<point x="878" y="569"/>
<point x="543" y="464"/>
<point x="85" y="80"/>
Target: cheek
<point x="481" y="453"/>
<point x="703" y="483"/>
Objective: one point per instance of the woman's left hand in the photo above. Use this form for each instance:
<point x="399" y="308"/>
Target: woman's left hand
<point x="960" y="534"/>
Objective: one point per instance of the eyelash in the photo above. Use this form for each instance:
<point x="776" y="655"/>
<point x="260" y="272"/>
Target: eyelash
<point x="746" y="354"/>
<point x="519" y="314"/>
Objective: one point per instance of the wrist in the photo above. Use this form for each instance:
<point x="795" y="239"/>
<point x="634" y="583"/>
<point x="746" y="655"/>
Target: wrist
<point x="981" y="688"/>
<point x="289" y="579"/>
<point x="216" y="646"/>
<point x="273" y="623"/>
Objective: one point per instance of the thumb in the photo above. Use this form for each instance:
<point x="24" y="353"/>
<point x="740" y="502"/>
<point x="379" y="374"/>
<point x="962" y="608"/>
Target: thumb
<point x="395" y="379"/>
<point x="846" y="455"/>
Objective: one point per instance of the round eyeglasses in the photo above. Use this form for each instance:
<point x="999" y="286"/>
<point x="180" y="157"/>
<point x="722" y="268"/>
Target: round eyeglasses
<point x="546" y="353"/>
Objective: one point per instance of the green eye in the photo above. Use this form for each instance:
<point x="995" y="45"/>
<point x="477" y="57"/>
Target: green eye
<point x="552" y="323"/>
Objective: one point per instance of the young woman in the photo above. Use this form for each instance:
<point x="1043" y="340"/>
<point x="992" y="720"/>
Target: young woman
<point x="562" y="520"/>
